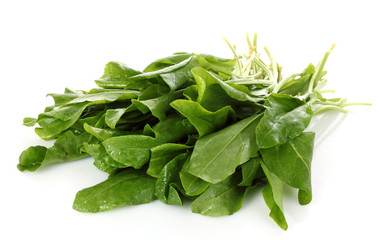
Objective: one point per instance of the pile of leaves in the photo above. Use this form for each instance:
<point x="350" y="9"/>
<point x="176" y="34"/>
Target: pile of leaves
<point x="189" y="126"/>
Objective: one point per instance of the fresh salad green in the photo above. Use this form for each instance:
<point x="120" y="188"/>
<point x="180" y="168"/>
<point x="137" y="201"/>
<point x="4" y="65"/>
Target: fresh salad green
<point x="189" y="127"/>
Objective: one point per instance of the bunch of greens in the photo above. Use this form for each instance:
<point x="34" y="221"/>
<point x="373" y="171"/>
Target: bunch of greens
<point x="189" y="126"/>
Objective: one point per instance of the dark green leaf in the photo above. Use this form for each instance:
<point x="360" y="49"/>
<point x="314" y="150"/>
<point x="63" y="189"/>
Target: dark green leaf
<point x="273" y="196"/>
<point x="112" y="116"/>
<point x="162" y="154"/>
<point x="158" y="106"/>
<point x="215" y="98"/>
<point x="173" y="129"/>
<point x="164" y="189"/>
<point x="249" y="171"/>
<point x="66" y="148"/>
<point x="224" y="198"/>
<point x="203" y="120"/>
<point x="286" y="117"/>
<point x="192" y="185"/>
<point x="299" y="86"/>
<point x="291" y="162"/>
<point x="101" y="157"/>
<point x="129" y="187"/>
<point x="217" y="155"/>
<point x="205" y="78"/>
<point x="167" y="61"/>
<point x="31" y="158"/>
<point x="118" y="71"/>
<point x="100" y="133"/>
<point x="130" y="150"/>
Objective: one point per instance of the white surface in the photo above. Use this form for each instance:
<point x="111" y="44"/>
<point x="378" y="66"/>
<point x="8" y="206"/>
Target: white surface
<point x="46" y="46"/>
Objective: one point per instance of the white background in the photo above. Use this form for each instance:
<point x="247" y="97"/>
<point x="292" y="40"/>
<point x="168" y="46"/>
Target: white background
<point x="46" y="46"/>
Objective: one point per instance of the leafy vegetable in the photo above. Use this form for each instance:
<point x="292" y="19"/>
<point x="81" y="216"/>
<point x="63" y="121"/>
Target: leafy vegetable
<point x="189" y="127"/>
<point x="129" y="187"/>
<point x="217" y="155"/>
<point x="224" y="198"/>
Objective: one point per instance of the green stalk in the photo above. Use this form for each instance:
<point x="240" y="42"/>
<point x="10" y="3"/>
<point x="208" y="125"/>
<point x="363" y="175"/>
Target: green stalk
<point x="250" y="81"/>
<point x="239" y="64"/>
<point x="273" y="65"/>
<point x="318" y="71"/>
<point x="328" y="108"/>
<point x="356" y="103"/>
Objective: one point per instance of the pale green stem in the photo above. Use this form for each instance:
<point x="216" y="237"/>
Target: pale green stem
<point x="339" y="103"/>
<point x="326" y="91"/>
<point x="239" y="64"/>
<point x="262" y="65"/>
<point x="316" y="76"/>
<point x="250" y="81"/>
<point x="328" y="108"/>
<point x="248" y="41"/>
<point x="357" y="103"/>
<point x="255" y="42"/>
<point x="248" y="65"/>
<point x="273" y="65"/>
<point x="321" y="83"/>
<point x="333" y="99"/>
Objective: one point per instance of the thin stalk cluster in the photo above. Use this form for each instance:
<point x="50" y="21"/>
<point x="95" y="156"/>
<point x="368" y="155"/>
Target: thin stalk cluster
<point x="253" y="72"/>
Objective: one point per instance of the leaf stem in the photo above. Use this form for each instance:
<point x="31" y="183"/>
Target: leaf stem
<point x="250" y="81"/>
<point x="255" y="42"/>
<point x="328" y="108"/>
<point x="339" y="103"/>
<point x="356" y="103"/>
<point x="239" y="64"/>
<point x="326" y="91"/>
<point x="318" y="71"/>
<point x="273" y="65"/>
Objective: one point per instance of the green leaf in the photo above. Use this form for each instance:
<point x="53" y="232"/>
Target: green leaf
<point x="205" y="78"/>
<point x="291" y="162"/>
<point x="158" y="106"/>
<point x="112" y="116"/>
<point x="103" y="97"/>
<point x="161" y="155"/>
<point x="192" y="185"/>
<point x="31" y="158"/>
<point x="174" y="76"/>
<point x="101" y="157"/>
<point x="115" y="75"/>
<point x="215" y="98"/>
<point x="285" y="118"/>
<point x="218" y="64"/>
<point x="164" y="189"/>
<point x="130" y="150"/>
<point x="58" y="120"/>
<point x="173" y="129"/>
<point x="100" y="133"/>
<point x="129" y="187"/>
<point x="217" y="155"/>
<point x="224" y="198"/>
<point x="299" y="86"/>
<point x="62" y="117"/>
<point x="249" y="171"/>
<point x="67" y="96"/>
<point x="118" y="71"/>
<point x="167" y="61"/>
<point x="29" y="122"/>
<point x="66" y="148"/>
<point x="203" y="120"/>
<point x="273" y="196"/>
